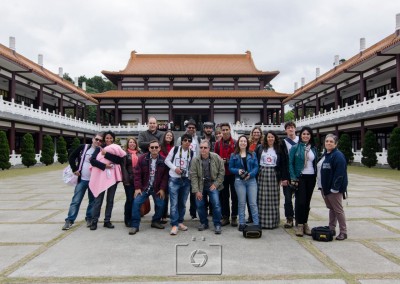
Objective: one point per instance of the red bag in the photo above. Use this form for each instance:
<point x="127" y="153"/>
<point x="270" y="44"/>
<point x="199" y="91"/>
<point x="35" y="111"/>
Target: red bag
<point x="145" y="209"/>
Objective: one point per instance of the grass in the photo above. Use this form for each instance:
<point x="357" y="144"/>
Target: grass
<point x="16" y="172"/>
<point x="375" y="172"/>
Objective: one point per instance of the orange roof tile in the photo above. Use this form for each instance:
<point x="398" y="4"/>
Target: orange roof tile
<point x="353" y="61"/>
<point x="192" y="94"/>
<point x="43" y="72"/>
<point x="190" y="64"/>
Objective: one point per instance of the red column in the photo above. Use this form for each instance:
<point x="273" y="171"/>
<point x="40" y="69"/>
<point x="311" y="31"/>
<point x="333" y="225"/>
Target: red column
<point x="11" y="137"/>
<point x="282" y="112"/>
<point x="116" y="112"/>
<point x="212" y="110"/>
<point x="337" y="97"/>
<point x="12" y="87"/>
<point x="363" y="87"/>
<point x="144" y="120"/>
<point x="170" y="115"/>
<point x="60" y="105"/>
<point x="317" y="104"/>
<point x="238" y="109"/>
<point x="265" y="112"/>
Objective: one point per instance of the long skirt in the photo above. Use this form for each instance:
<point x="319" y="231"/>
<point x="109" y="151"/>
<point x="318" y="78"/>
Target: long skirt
<point x="268" y="198"/>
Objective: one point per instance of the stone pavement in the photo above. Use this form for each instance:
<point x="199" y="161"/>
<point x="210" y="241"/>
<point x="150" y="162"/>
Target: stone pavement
<point x="33" y="248"/>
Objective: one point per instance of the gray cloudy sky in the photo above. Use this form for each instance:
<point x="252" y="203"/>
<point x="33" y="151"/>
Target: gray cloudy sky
<point x="292" y="36"/>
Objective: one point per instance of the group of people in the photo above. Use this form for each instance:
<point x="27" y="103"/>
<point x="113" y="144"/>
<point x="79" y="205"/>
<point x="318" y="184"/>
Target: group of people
<point x="217" y="173"/>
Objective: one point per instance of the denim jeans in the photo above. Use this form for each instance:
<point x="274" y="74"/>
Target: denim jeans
<point x="288" y="193"/>
<point x="247" y="188"/>
<point x="109" y="206"/>
<point x="137" y="203"/>
<point x="79" y="193"/>
<point x="179" y="189"/>
<point x="128" y="204"/>
<point x="216" y="207"/>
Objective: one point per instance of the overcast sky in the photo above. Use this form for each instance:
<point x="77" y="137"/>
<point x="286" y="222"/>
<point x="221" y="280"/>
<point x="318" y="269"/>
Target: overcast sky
<point x="292" y="36"/>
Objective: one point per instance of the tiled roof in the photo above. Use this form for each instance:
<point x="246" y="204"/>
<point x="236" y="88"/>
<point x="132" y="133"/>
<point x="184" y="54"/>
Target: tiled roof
<point x="190" y="64"/>
<point x="348" y="64"/>
<point x="192" y="94"/>
<point x="41" y="71"/>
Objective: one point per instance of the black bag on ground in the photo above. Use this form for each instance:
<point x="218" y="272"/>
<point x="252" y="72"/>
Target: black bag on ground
<point x="322" y="234"/>
<point x="252" y="232"/>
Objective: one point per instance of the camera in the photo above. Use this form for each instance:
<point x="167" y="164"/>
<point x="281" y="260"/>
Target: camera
<point x="183" y="172"/>
<point x="244" y="175"/>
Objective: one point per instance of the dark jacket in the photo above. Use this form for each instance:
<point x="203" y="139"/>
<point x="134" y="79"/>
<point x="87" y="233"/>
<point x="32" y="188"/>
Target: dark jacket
<point x="127" y="169"/>
<point x="145" y="137"/>
<point x="236" y="163"/>
<point x="141" y="174"/>
<point x="75" y="158"/>
<point x="296" y="160"/>
<point x="281" y="168"/>
<point x="113" y="158"/>
<point x="334" y="172"/>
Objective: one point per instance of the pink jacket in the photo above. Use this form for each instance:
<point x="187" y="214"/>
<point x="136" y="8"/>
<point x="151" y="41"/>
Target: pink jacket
<point x="101" y="180"/>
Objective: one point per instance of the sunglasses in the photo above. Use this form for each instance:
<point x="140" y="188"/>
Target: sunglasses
<point x="154" y="147"/>
<point x="98" y="140"/>
<point x="202" y="147"/>
<point x="187" y="140"/>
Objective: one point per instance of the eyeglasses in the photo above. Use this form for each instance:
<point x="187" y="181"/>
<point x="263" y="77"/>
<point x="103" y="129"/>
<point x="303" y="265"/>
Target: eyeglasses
<point x="154" y="147"/>
<point x="202" y="147"/>
<point x="187" y="140"/>
<point x="98" y="140"/>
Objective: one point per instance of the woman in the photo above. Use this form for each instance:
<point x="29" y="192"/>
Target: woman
<point x="132" y="155"/>
<point x="332" y="181"/>
<point x="106" y="171"/>
<point x="302" y="169"/>
<point x="244" y="165"/>
<point x="255" y="138"/>
<point x="273" y="169"/>
<point x="167" y="144"/>
<point x="218" y="134"/>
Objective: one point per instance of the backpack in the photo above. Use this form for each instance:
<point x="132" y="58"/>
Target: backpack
<point x="322" y="234"/>
<point x="176" y="151"/>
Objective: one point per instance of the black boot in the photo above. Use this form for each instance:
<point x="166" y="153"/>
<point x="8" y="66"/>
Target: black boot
<point x="93" y="226"/>
<point x="108" y="225"/>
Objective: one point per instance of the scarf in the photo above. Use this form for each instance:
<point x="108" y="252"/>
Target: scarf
<point x="134" y="157"/>
<point x="306" y="151"/>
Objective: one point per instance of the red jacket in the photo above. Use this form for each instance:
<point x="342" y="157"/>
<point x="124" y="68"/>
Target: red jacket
<point x="142" y="174"/>
<point x="224" y="150"/>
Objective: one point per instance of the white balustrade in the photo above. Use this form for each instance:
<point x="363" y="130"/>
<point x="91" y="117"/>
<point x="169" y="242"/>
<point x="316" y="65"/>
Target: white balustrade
<point x="390" y="99"/>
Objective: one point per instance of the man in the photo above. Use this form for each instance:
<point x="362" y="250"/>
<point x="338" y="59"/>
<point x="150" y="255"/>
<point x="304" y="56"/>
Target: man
<point x="150" y="178"/>
<point x="194" y="146"/>
<point x="290" y="140"/>
<point x="224" y="148"/>
<point x="82" y="154"/>
<point x="208" y="128"/>
<point x="207" y="176"/>
<point x="151" y="134"/>
<point x="178" y="160"/>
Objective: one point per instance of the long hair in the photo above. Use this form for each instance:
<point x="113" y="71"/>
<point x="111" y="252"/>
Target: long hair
<point x="106" y="133"/>
<point x="251" y="135"/>
<point x="309" y="130"/>
<point x="276" y="142"/>
<point x="237" y="149"/>
<point x="127" y="143"/>
<point x="164" y="143"/>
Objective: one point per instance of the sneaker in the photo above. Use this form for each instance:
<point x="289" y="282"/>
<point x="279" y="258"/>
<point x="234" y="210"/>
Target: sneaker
<point x="341" y="237"/>
<point x="225" y="221"/>
<point x="307" y="229"/>
<point x="217" y="230"/>
<point x="289" y="223"/>
<point x="202" y="227"/>
<point x="194" y="217"/>
<point x="133" y="230"/>
<point x="299" y="230"/>
<point x="67" y="225"/>
<point x="108" y="225"/>
<point x="241" y="227"/>
<point x="234" y="222"/>
<point x="174" y="231"/>
<point x="182" y="227"/>
<point x="157" y="225"/>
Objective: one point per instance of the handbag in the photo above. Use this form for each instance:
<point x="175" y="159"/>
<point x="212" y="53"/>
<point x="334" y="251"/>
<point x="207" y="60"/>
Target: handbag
<point x="145" y="208"/>
<point x="322" y="234"/>
<point x="68" y="175"/>
<point x="252" y="232"/>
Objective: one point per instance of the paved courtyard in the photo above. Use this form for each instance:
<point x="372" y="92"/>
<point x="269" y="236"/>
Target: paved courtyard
<point x="33" y="248"/>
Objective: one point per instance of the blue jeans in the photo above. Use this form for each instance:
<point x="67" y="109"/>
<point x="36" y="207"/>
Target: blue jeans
<point x="216" y="207"/>
<point x="137" y="203"/>
<point x="247" y="188"/>
<point x="109" y="206"/>
<point x="179" y="189"/>
<point x="79" y="193"/>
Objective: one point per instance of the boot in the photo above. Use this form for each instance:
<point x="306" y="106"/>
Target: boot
<point x="299" y="230"/>
<point x="307" y="229"/>
<point x="289" y="223"/>
<point x="93" y="226"/>
<point x="225" y="221"/>
<point x="234" y="222"/>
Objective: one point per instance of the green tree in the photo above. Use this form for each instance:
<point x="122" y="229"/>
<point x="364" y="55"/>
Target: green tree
<point x="91" y="112"/>
<point x="345" y="147"/>
<point x="75" y="144"/>
<point x="62" y="155"/>
<point x="47" y="157"/>
<point x="28" y="151"/>
<point x="289" y="115"/>
<point x="68" y="78"/>
<point x="394" y="149"/>
<point x="370" y="147"/>
<point x="4" y="152"/>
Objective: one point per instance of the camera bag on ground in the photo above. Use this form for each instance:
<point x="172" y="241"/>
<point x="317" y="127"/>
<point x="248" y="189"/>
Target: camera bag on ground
<point x="322" y="234"/>
<point x="252" y="232"/>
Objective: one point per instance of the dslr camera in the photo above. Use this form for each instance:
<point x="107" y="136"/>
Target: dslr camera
<point x="183" y="172"/>
<point x="244" y="175"/>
